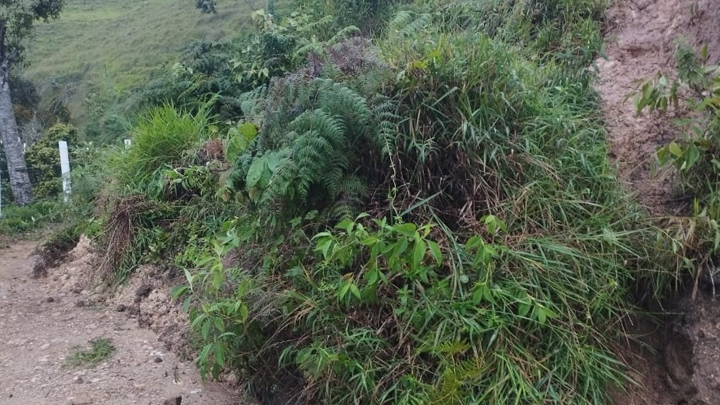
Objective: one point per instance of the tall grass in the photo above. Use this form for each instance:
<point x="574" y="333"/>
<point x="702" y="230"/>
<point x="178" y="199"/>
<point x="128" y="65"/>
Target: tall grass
<point x="163" y="136"/>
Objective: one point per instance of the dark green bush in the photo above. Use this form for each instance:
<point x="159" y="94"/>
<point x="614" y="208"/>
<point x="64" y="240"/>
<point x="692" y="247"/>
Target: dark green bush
<point x="43" y="159"/>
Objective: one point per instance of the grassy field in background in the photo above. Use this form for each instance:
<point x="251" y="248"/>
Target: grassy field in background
<point x="115" y="44"/>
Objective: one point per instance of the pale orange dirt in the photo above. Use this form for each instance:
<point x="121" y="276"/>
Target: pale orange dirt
<point x="41" y="320"/>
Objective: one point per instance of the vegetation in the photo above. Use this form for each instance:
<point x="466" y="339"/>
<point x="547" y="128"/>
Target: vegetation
<point x="429" y="217"/>
<point x="16" y="24"/>
<point x="110" y="49"/>
<point x="100" y="350"/>
<point x="695" y="153"/>
<point x="16" y="220"/>
<point x="401" y="202"/>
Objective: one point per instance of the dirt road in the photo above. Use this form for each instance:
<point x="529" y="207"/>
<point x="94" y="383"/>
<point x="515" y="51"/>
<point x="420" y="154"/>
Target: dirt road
<point x="40" y="326"/>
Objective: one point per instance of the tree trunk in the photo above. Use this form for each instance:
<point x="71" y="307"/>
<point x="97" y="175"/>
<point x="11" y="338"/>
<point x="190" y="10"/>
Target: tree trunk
<point x="17" y="169"/>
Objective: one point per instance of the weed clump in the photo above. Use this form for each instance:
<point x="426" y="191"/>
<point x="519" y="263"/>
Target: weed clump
<point x="100" y="350"/>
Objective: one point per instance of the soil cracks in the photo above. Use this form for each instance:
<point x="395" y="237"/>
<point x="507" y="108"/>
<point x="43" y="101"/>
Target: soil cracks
<point x="39" y="328"/>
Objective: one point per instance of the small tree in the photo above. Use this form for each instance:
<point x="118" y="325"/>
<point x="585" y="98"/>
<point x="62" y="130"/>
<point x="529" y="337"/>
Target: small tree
<point x="16" y="23"/>
<point x="207" y="6"/>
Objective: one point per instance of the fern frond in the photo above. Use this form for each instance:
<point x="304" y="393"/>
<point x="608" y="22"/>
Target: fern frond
<point x="309" y="151"/>
<point x="326" y="126"/>
<point x="282" y="178"/>
<point x="407" y="23"/>
<point x="343" y="34"/>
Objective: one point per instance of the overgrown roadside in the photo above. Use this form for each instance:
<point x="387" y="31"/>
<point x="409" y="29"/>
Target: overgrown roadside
<point x="680" y="364"/>
<point x="40" y="327"/>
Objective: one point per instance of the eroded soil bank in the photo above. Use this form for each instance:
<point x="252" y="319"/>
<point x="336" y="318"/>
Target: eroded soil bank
<point x="42" y="320"/>
<point x="682" y="363"/>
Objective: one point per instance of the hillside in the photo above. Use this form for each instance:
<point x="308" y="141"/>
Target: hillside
<point x="379" y="202"/>
<point x="113" y="45"/>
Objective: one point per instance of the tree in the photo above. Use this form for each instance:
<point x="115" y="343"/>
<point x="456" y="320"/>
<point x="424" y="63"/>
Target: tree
<point x="16" y="23"/>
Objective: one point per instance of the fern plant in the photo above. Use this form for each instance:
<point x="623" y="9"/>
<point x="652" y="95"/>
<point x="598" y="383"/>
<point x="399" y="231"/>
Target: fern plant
<point x="314" y="134"/>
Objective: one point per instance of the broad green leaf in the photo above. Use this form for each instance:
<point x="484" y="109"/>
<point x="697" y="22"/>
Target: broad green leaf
<point x="692" y="154"/>
<point x="354" y="290"/>
<point x="255" y="173"/>
<point x="219" y="325"/>
<point x="523" y="309"/>
<point x="406" y="229"/>
<point x="244" y="313"/>
<point x="477" y="296"/>
<point x="346" y="225"/>
<point x="178" y="291"/>
<point x="205" y="331"/>
<point x="219" y="355"/>
<point x="236" y="145"/>
<point x="435" y="251"/>
<point x="418" y="252"/>
<point x="675" y="149"/>
<point x="248" y="130"/>
<point x="343" y="290"/>
<point x="243" y="287"/>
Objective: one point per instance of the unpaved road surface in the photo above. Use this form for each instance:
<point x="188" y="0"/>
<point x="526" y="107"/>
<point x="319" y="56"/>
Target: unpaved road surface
<point x="39" y="326"/>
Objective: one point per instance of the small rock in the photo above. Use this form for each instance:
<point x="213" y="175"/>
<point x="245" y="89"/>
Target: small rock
<point x="49" y="299"/>
<point x="143" y="291"/>
<point x="78" y="380"/>
<point x="80" y="304"/>
<point x="121" y="308"/>
<point x="158" y="360"/>
<point x="173" y="401"/>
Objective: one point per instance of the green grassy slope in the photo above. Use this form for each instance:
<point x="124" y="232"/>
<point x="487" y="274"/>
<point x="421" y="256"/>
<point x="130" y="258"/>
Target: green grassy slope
<point x="117" y="43"/>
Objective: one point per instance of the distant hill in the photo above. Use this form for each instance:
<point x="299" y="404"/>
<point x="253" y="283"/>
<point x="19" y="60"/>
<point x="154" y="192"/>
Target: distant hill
<point x="114" y="44"/>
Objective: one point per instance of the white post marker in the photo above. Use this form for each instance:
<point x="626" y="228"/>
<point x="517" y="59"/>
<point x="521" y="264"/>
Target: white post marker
<point x="127" y="144"/>
<point x="65" y="169"/>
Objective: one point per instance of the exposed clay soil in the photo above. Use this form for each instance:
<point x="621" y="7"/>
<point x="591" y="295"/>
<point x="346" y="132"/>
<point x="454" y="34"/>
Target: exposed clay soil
<point x="640" y="41"/>
<point x="41" y="320"/>
<point x="681" y="365"/>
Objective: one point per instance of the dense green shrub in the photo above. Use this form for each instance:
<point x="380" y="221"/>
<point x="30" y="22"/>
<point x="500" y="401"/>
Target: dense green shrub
<point x="320" y="144"/>
<point x="43" y="159"/>
<point x="475" y="120"/>
<point x="513" y="296"/>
